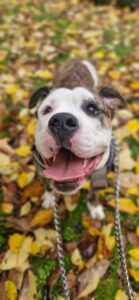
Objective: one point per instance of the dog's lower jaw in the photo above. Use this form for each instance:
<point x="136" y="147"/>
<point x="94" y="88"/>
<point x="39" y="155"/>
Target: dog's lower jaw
<point x="73" y="186"/>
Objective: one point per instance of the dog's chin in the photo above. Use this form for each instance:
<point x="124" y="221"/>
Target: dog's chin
<point x="70" y="187"/>
<point x="68" y="172"/>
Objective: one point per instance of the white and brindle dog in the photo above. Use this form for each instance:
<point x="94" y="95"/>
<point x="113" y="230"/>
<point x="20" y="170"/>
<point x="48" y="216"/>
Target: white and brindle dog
<point x="73" y="133"/>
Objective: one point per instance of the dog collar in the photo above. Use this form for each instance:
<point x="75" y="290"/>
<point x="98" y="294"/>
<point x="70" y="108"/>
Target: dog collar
<point x="99" y="177"/>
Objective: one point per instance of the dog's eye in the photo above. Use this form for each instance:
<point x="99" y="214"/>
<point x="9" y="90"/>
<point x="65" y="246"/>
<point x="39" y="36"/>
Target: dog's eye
<point x="91" y="109"/>
<point x="47" y="110"/>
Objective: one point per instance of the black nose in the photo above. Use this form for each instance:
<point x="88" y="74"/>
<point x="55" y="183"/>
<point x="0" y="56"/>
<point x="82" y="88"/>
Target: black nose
<point x="63" y="125"/>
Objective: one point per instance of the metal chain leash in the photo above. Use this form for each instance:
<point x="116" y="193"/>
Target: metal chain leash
<point x="60" y="249"/>
<point x="120" y="248"/>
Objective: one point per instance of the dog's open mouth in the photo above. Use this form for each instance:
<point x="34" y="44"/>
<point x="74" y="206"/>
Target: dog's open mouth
<point x="69" y="171"/>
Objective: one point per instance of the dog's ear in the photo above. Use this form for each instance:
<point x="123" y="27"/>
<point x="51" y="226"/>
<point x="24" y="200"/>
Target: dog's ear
<point x="111" y="97"/>
<point x="37" y="96"/>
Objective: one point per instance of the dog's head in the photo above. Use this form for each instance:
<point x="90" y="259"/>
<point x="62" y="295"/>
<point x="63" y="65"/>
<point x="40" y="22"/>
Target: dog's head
<point x="73" y="133"/>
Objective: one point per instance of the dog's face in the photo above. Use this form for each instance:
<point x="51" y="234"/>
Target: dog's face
<point x="73" y="133"/>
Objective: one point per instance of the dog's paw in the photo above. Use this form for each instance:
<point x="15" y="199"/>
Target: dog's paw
<point x="48" y="199"/>
<point x="96" y="212"/>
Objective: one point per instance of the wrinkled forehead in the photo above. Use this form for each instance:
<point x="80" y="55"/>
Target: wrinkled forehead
<point x="63" y="96"/>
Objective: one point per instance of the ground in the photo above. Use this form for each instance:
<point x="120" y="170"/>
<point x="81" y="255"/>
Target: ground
<point x="35" y="37"/>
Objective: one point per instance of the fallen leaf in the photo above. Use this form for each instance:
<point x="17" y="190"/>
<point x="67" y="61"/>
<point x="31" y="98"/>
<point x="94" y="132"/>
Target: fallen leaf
<point x="115" y="74"/>
<point x="134" y="85"/>
<point x="134" y="253"/>
<point x="42" y="217"/>
<point x="92" y="278"/>
<point x="137" y="231"/>
<point x="15" y="242"/>
<point x="71" y="201"/>
<point x="31" y="127"/>
<point x="76" y="259"/>
<point x="44" y="74"/>
<point x="125" y="205"/>
<point x="7" y="207"/>
<point x="18" y="260"/>
<point x="11" y="89"/>
<point x="5" y="147"/>
<point x="126" y="160"/>
<point x="128" y="179"/>
<point x="23" y="150"/>
<point x="10" y="290"/>
<point x="25" y="178"/>
<point x="25" y="209"/>
<point x="134" y="274"/>
<point x="133" y="127"/>
<point x="120" y="295"/>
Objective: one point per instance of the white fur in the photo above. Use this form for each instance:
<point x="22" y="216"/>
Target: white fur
<point x="92" y="71"/>
<point x="96" y="212"/>
<point x="48" y="199"/>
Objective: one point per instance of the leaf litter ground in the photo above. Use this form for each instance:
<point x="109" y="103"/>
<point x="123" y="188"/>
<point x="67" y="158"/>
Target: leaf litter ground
<point x="36" y="37"/>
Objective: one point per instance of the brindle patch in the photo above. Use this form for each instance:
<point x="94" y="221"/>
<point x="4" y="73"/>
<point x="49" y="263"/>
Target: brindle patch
<point x="73" y="74"/>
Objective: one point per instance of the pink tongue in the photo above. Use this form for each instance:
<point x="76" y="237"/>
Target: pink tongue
<point x="65" y="167"/>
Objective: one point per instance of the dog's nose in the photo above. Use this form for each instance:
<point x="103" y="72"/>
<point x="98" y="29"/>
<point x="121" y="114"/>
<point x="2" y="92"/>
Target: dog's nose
<point x="63" y="125"/>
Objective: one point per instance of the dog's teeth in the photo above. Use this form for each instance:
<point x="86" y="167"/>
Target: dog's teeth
<point x="85" y="161"/>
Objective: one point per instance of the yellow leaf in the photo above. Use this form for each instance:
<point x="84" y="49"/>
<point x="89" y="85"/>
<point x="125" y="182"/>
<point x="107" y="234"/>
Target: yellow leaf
<point x="137" y="167"/>
<point x="134" y="253"/>
<point x="99" y="55"/>
<point x="93" y="231"/>
<point x="134" y="190"/>
<point x="69" y="202"/>
<point x="125" y="205"/>
<point x="135" y="85"/>
<point x="25" y="178"/>
<point x="86" y="185"/>
<point x="112" y="55"/>
<point x="25" y="209"/>
<point x="110" y="242"/>
<point x="134" y="274"/>
<point x="45" y="74"/>
<point x="11" y="89"/>
<point x="10" y="290"/>
<point x="120" y="295"/>
<point x="109" y="239"/>
<point x="23" y="150"/>
<point x="137" y="231"/>
<point x="7" y="207"/>
<point x="115" y="75"/>
<point x="85" y="220"/>
<point x="42" y="217"/>
<point x="31" y="127"/>
<point x="133" y="126"/>
<point x="77" y="259"/>
<point x="15" y="242"/>
<point x="19" y="259"/>
<point x="34" y="249"/>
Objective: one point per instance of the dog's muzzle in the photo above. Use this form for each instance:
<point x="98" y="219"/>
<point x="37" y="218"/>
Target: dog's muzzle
<point x="62" y="126"/>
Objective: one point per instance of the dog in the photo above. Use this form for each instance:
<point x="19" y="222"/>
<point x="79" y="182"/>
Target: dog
<point x="73" y="133"/>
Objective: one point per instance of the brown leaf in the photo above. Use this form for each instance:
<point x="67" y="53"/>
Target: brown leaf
<point x="89" y="279"/>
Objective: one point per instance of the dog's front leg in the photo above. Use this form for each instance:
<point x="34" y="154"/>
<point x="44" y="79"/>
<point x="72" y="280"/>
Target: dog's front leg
<point x="98" y="181"/>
